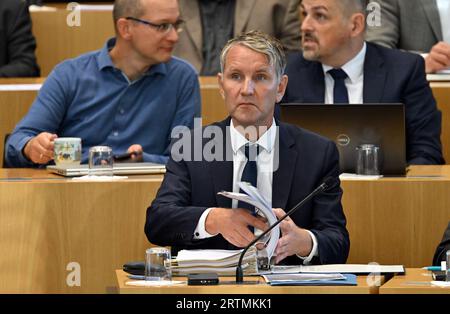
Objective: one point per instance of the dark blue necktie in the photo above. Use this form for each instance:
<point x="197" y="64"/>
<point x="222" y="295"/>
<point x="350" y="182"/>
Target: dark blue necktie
<point x="340" y="93"/>
<point x="250" y="172"/>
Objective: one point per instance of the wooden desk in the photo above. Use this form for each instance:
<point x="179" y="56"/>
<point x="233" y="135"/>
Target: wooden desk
<point x="213" y="105"/>
<point x="14" y="104"/>
<point x="47" y="222"/>
<point x="362" y="288"/>
<point x="56" y="41"/>
<point x="415" y="281"/>
<point x="441" y="91"/>
<point x="397" y="220"/>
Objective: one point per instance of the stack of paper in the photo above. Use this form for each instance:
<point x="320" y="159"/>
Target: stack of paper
<point x="222" y="262"/>
<point x="310" y="279"/>
<point x="339" y="268"/>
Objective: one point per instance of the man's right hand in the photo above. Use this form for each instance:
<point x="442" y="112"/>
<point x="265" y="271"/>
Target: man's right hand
<point x="439" y="58"/>
<point x="233" y="224"/>
<point x="40" y="148"/>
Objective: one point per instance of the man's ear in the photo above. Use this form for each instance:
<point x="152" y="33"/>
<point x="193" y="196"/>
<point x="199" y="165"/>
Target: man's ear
<point x="358" y="24"/>
<point x="123" y="28"/>
<point x="220" y="81"/>
<point x="282" y="87"/>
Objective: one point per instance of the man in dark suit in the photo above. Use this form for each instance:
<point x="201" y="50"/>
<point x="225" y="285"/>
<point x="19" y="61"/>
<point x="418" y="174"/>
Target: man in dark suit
<point x="187" y="211"/>
<point x="17" y="43"/>
<point x="443" y="247"/>
<point x="338" y="66"/>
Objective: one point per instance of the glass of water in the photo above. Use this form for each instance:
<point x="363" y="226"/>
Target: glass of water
<point x="100" y="161"/>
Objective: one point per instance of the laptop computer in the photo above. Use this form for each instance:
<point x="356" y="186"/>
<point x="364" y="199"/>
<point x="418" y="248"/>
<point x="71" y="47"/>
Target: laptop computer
<point x="351" y="125"/>
<point x="118" y="169"/>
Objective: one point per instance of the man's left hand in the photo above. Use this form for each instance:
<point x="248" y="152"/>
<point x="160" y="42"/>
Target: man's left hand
<point x="294" y="240"/>
<point x="136" y="153"/>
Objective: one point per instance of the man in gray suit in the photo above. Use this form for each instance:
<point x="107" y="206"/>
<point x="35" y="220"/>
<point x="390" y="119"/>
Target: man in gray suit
<point x="421" y="26"/>
<point x="211" y="23"/>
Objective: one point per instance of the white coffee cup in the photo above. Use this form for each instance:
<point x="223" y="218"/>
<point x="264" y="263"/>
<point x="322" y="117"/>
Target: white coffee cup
<point x="67" y="151"/>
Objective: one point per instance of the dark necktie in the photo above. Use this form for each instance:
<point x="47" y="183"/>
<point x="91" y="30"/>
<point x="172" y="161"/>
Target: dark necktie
<point x="340" y="93"/>
<point x="250" y="172"/>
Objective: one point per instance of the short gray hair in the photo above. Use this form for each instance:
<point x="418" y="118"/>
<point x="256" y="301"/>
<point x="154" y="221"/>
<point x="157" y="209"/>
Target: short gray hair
<point x="124" y="8"/>
<point x="352" y="6"/>
<point x="262" y="43"/>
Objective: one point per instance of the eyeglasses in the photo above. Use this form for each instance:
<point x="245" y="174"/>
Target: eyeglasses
<point x="163" y="28"/>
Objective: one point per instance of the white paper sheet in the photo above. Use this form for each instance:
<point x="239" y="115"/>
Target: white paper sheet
<point x="255" y="198"/>
<point x="19" y="87"/>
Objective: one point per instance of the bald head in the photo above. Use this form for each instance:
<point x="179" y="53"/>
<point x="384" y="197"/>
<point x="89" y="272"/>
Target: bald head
<point x="349" y="7"/>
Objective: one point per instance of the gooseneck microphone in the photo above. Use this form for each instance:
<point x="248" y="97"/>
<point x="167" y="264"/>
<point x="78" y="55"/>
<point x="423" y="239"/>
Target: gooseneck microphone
<point x="328" y="183"/>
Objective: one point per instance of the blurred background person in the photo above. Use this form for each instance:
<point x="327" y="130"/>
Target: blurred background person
<point x="421" y="26"/>
<point x="211" y="23"/>
<point x="17" y="43"/>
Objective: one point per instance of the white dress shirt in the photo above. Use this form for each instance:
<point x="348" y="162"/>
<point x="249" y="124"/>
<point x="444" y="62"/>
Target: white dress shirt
<point x="444" y="13"/>
<point x="264" y="163"/>
<point x="354" y="82"/>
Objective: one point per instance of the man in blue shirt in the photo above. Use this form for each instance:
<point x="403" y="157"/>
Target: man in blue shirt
<point x="128" y="95"/>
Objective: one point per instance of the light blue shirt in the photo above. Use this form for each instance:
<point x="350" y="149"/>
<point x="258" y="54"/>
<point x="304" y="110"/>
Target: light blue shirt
<point x="89" y="97"/>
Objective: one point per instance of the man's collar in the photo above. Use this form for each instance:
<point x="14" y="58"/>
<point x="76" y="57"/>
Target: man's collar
<point x="266" y="141"/>
<point x="354" y="68"/>
<point x="104" y="60"/>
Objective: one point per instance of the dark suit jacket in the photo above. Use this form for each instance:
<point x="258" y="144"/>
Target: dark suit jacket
<point x="17" y="43"/>
<point x="390" y="76"/>
<point x="442" y="248"/>
<point x="305" y="159"/>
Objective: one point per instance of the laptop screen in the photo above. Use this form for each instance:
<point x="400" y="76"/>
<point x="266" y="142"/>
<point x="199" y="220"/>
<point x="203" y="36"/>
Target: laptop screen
<point x="351" y="125"/>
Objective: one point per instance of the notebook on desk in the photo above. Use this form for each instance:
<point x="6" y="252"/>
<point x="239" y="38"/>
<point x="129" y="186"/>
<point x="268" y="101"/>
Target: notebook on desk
<point x="118" y="169"/>
<point x="352" y="125"/>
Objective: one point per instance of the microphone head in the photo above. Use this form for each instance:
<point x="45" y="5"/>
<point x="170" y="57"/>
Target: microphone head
<point x="329" y="183"/>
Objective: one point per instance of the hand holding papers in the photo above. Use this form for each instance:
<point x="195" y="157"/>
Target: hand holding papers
<point x="224" y="262"/>
<point x="264" y="209"/>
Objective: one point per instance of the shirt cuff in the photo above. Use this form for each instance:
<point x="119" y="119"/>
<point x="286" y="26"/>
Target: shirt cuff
<point x="200" y="231"/>
<point x="314" y="250"/>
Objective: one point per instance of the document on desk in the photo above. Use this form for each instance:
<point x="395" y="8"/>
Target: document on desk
<point x="339" y="268"/>
<point x="310" y="279"/>
<point x="223" y="262"/>
<point x="442" y="76"/>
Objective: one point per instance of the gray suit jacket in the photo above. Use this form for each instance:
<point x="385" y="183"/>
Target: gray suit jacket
<point x="412" y="25"/>
<point x="279" y="18"/>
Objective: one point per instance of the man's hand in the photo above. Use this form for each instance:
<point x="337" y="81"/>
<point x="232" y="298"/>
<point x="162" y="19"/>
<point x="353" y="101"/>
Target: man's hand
<point x="136" y="152"/>
<point x="233" y="224"/>
<point x="438" y="58"/>
<point x="40" y="148"/>
<point x="294" y="240"/>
